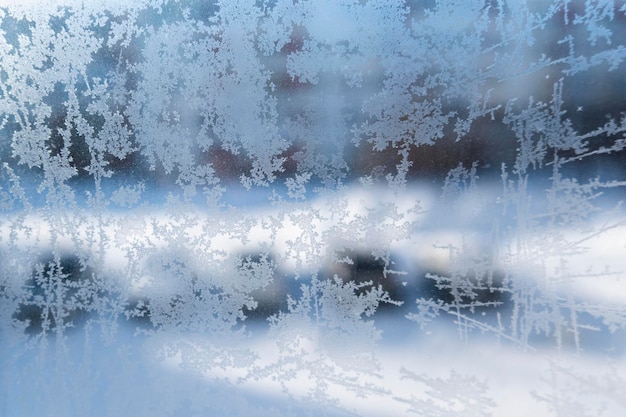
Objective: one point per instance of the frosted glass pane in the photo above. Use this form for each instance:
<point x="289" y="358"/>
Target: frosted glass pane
<point x="312" y="208"/>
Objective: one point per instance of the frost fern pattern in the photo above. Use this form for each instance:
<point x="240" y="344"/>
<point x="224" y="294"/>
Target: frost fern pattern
<point x="266" y="193"/>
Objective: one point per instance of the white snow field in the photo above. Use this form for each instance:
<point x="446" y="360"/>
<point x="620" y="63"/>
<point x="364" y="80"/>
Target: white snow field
<point x="307" y="363"/>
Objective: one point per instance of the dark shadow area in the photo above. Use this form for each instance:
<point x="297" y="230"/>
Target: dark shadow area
<point x="61" y="291"/>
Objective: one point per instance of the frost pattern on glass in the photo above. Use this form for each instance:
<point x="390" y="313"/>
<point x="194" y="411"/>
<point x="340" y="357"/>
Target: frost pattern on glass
<point x="313" y="207"/>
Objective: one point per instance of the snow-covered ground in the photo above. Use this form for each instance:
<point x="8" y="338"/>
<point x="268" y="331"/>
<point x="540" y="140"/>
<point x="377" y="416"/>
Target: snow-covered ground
<point x="309" y="367"/>
<point x="421" y="373"/>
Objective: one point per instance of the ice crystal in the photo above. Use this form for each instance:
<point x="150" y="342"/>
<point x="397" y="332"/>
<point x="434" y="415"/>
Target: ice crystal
<point x="276" y="198"/>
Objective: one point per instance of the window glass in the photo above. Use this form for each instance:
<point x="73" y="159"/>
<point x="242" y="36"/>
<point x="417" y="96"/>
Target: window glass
<point x="279" y="207"/>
